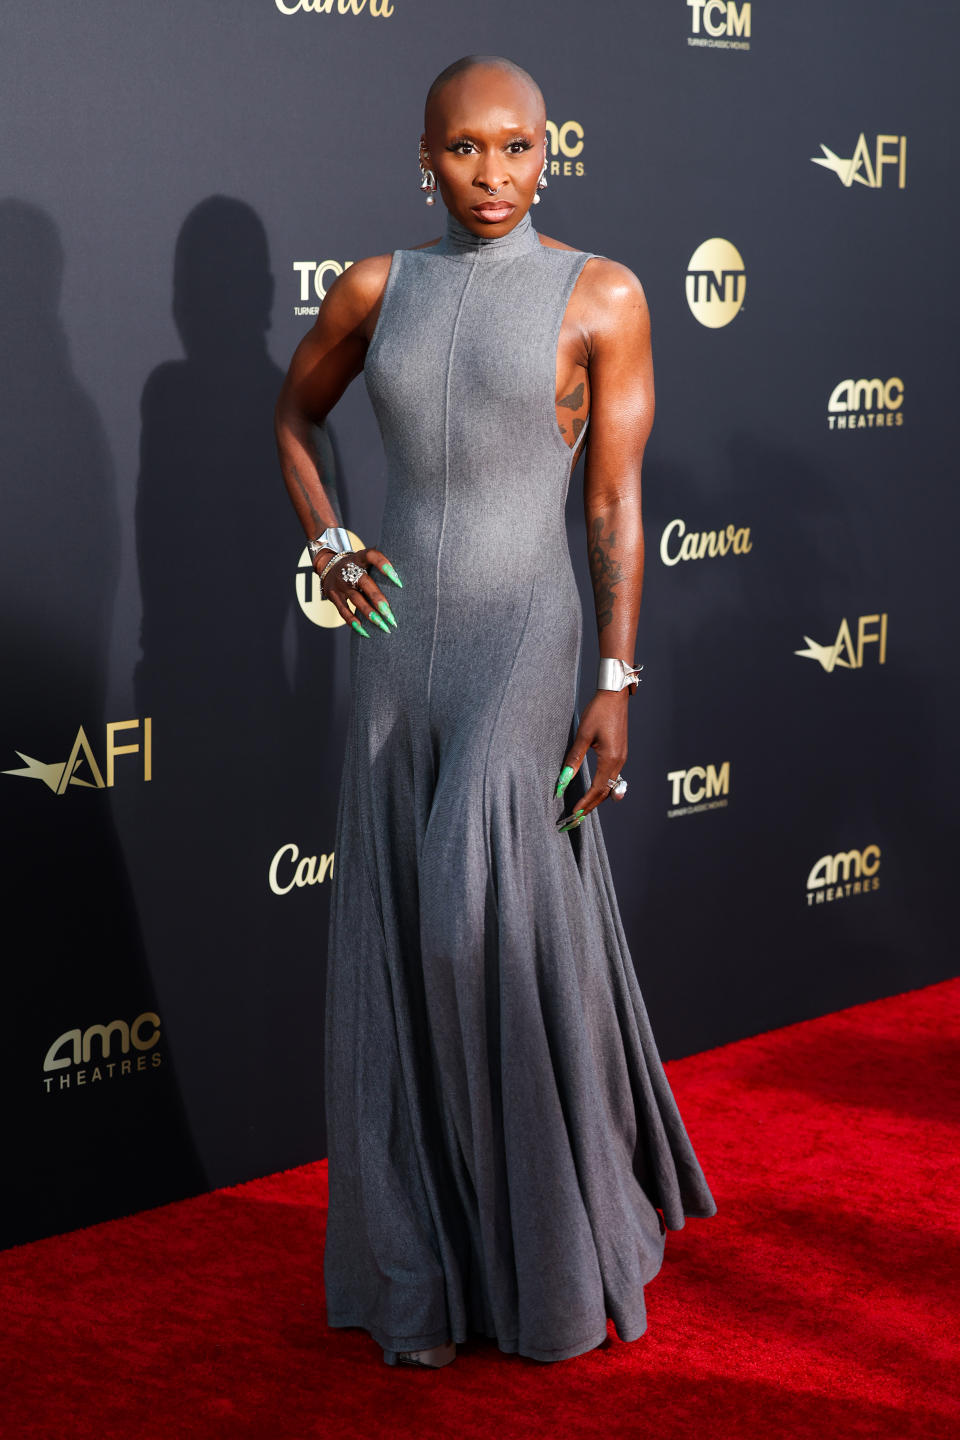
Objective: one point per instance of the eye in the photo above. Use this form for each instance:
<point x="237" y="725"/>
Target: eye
<point x="518" y="146"/>
<point x="457" y="145"/>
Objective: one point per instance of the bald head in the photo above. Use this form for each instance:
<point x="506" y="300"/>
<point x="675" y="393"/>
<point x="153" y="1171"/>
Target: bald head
<point x="471" y="71"/>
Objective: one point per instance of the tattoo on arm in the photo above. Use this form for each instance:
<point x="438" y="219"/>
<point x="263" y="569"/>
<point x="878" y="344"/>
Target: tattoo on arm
<point x="303" y="491"/>
<point x="604" y="571"/>
<point x="574" y="400"/>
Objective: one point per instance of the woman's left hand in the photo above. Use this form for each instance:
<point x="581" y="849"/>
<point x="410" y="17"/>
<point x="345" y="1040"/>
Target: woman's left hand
<point x="603" y="728"/>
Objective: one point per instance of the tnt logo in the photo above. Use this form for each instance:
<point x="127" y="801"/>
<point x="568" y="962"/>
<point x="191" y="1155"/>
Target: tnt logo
<point x="862" y="168"/>
<point x="699" y="788"/>
<point x="564" y="145"/>
<point x="718" y="21"/>
<point x="866" y="404"/>
<point x="836" y="877"/>
<point x="843" y="652"/>
<point x="716" y="283"/>
<point x="315" y="276"/>
<point x="317" y="610"/>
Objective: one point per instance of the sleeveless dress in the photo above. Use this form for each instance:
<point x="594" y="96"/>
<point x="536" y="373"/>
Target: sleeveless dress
<point x="502" y="1134"/>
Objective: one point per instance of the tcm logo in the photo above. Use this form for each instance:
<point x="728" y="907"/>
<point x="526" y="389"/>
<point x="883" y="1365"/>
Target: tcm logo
<point x="716" y="283"/>
<point x="835" y="877"/>
<point x="80" y="766"/>
<point x="890" y="153"/>
<point x="843" y="652"/>
<point x="75" y="1052"/>
<point x="288" y="869"/>
<point x="700" y="788"/>
<point x="866" y="404"/>
<point x="379" y="9"/>
<point x="678" y="543"/>
<point x="315" y="276"/>
<point x="564" y="146"/>
<point x="318" y="611"/>
<point x="717" y="23"/>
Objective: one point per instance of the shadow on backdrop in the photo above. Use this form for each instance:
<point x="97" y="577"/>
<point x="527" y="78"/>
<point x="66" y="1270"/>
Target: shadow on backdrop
<point x="242" y="739"/>
<point x="85" y="1136"/>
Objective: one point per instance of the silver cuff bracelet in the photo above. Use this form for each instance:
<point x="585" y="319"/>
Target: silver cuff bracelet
<point x="333" y="538"/>
<point x="617" y="675"/>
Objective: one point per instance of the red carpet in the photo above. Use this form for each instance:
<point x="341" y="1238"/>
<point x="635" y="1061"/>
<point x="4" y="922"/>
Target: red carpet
<point x="821" y="1301"/>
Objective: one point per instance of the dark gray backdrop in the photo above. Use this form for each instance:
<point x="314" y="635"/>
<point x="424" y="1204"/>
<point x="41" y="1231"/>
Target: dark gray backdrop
<point x="167" y="168"/>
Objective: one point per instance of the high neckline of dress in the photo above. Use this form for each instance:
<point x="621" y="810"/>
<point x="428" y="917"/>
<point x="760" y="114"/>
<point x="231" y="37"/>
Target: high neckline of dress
<point x="458" y="240"/>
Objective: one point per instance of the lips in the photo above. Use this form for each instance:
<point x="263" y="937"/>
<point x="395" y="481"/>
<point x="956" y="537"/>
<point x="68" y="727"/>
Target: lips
<point x="494" y="209"/>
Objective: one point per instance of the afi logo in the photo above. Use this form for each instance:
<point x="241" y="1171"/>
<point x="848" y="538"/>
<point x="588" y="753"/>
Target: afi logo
<point x="842" y="651"/>
<point x="58" y="774"/>
<point x="890" y="151"/>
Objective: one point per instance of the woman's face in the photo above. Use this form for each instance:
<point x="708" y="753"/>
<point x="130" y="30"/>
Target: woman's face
<point x="486" y="130"/>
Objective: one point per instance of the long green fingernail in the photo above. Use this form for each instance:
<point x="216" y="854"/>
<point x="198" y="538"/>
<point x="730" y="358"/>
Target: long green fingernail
<point x="357" y="626"/>
<point x="566" y="775"/>
<point x="391" y="574"/>
<point x="382" y="623"/>
<point x="573" y="822"/>
<point x="384" y="608"/>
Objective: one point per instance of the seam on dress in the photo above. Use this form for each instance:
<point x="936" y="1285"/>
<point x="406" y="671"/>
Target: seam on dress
<point x="446" y="484"/>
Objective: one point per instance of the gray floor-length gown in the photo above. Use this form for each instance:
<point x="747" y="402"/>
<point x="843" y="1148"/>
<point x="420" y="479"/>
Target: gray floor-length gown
<point x="501" y="1131"/>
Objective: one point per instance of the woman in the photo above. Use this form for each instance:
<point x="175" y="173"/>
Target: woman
<point x="501" y="1132"/>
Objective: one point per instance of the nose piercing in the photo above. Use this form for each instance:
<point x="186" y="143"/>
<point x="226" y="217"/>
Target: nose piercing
<point x="489" y="191"/>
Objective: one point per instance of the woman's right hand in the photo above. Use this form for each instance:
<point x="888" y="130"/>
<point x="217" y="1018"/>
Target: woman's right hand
<point x="366" y="596"/>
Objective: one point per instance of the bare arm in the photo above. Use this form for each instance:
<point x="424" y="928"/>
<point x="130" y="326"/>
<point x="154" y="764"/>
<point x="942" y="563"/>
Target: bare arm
<point x="621" y="417"/>
<point x="328" y="357"/>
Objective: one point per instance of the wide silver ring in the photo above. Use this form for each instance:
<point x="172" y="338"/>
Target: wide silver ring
<point x="351" y="572"/>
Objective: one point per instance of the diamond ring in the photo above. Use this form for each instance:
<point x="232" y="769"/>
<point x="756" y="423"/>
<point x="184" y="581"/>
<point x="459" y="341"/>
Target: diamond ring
<point x="351" y="572"/>
<point x="618" y="786"/>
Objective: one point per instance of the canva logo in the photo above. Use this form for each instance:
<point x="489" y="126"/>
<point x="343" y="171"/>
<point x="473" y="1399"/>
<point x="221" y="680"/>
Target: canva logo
<point x="716" y="24"/>
<point x="890" y="152"/>
<point x="701" y="787"/>
<point x="315" y="276"/>
<point x="318" y="611"/>
<point x="716" y="282"/>
<point x="88" y="1056"/>
<point x="81" y="767"/>
<point x="564" y="148"/>
<point x="850" y="872"/>
<point x="678" y="543"/>
<point x="379" y="9"/>
<point x="843" y="652"/>
<point x="866" y="404"/>
<point x="289" y="870"/>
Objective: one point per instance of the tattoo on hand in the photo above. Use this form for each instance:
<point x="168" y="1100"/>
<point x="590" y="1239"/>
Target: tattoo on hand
<point x="604" y="571"/>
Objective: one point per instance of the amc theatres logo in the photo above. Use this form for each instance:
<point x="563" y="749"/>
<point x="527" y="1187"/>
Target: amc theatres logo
<point x="564" y="147"/>
<point x="716" y="283"/>
<point x="81" y="766"/>
<point x="866" y="404"/>
<point x="843" y="652"/>
<point x="700" y="787"/>
<point x="836" y="877"/>
<point x="864" y="168"/>
<point x="88" y="1056"/>
<point x="719" y="24"/>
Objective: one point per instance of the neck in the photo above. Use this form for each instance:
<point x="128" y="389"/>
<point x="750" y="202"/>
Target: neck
<point x="458" y="240"/>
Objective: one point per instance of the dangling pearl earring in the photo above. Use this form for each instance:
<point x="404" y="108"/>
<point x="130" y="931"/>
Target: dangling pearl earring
<point x="542" y="182"/>
<point x="428" y="181"/>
